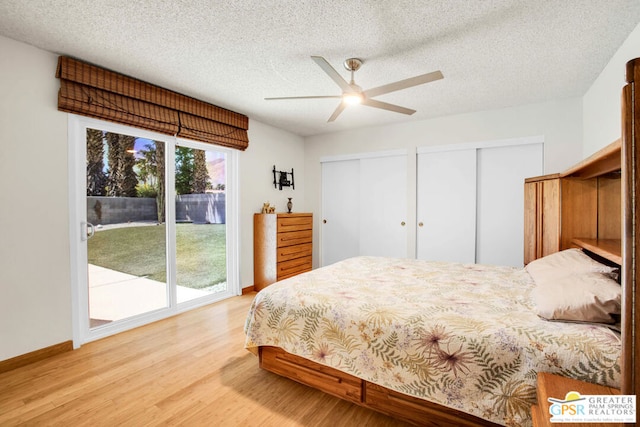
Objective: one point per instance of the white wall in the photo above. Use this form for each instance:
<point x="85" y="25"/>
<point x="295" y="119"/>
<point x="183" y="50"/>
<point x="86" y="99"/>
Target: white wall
<point x="601" y="104"/>
<point x="268" y="146"/>
<point x="560" y="122"/>
<point x="35" y="289"/>
<point x="35" y="306"/>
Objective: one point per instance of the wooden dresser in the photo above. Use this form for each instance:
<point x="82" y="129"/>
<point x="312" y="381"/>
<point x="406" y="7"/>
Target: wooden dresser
<point x="282" y="246"/>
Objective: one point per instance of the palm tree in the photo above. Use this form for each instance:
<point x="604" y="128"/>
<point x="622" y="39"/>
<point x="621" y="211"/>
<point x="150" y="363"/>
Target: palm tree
<point x="200" y="173"/>
<point x="122" y="178"/>
<point x="96" y="178"/>
<point x="128" y="161"/>
<point x="184" y="170"/>
<point x="159" y="159"/>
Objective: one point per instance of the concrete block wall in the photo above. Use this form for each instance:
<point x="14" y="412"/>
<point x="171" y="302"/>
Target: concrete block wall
<point x="116" y="210"/>
<point x="209" y="208"/>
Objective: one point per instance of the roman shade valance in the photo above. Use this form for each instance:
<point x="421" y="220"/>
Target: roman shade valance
<point x="92" y="91"/>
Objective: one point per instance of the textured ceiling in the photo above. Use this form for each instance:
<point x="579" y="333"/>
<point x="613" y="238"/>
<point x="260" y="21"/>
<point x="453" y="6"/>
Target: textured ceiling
<point x="493" y="53"/>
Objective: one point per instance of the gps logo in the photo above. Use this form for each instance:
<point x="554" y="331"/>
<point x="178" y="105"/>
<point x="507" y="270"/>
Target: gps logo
<point x="568" y="406"/>
<point x="593" y="408"/>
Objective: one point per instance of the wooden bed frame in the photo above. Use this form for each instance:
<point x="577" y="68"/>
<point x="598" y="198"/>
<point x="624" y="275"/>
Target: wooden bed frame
<point x="364" y="393"/>
<point x="621" y="158"/>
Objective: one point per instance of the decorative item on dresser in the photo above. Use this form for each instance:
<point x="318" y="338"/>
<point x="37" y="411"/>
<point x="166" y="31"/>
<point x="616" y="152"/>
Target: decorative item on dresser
<point x="282" y="246"/>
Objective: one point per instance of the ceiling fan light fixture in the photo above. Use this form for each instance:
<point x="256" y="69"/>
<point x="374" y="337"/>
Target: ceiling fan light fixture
<point x="353" y="94"/>
<point x="352" y="98"/>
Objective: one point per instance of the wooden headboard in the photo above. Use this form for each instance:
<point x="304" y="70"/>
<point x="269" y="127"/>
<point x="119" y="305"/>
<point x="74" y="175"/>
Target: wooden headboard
<point x="580" y="207"/>
<point x="630" y="238"/>
<point x="599" y="210"/>
<point x="613" y="234"/>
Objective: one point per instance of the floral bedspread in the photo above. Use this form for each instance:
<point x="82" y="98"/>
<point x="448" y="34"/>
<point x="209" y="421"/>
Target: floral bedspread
<point x="461" y="335"/>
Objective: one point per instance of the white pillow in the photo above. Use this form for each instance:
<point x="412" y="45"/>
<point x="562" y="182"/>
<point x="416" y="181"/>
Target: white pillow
<point x="584" y="297"/>
<point x="567" y="262"/>
<point x="570" y="285"/>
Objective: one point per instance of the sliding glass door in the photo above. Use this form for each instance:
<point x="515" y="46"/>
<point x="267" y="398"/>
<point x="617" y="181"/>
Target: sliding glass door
<point x="126" y="233"/>
<point x="153" y="226"/>
<point x="200" y="222"/>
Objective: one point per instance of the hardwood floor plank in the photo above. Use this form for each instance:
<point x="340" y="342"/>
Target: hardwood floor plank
<point x="191" y="369"/>
<point x="27" y="359"/>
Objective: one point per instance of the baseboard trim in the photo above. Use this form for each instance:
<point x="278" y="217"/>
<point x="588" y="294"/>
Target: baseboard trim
<point x="35" y="356"/>
<point x="248" y="290"/>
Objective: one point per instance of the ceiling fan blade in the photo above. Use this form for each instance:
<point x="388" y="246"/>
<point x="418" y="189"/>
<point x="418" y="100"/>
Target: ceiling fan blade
<point x="327" y="68"/>
<point x="404" y="84"/>
<point x="337" y="112"/>
<point x="386" y="106"/>
<point x="303" y="97"/>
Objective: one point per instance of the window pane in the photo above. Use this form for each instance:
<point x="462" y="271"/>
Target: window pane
<point x="201" y="248"/>
<point x="125" y="211"/>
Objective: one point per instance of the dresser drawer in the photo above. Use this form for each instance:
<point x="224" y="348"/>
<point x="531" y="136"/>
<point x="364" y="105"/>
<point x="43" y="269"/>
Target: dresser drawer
<point x="318" y="376"/>
<point x="294" y="238"/>
<point x="282" y="246"/>
<point x="286" y="253"/>
<point x="294" y="266"/>
<point x="294" y="223"/>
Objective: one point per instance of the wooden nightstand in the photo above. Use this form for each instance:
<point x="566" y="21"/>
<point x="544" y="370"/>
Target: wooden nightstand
<point x="550" y="385"/>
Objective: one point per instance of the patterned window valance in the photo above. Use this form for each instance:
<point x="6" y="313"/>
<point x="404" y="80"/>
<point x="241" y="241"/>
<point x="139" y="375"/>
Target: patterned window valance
<point x="92" y="91"/>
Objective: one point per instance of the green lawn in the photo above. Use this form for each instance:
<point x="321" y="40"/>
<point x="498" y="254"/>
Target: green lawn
<point x="140" y="251"/>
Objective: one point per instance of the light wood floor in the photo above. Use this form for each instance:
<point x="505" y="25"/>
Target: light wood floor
<point x="191" y="369"/>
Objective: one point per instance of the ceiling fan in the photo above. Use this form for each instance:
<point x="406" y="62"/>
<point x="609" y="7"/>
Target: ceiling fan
<point x="353" y="94"/>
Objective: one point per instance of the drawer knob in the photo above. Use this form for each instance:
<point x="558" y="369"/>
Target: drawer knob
<point x="402" y="223"/>
<point x="324" y="221"/>
<point x="420" y="224"/>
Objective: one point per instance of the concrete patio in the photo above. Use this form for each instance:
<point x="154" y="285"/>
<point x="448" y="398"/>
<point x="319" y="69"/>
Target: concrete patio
<point x="114" y="295"/>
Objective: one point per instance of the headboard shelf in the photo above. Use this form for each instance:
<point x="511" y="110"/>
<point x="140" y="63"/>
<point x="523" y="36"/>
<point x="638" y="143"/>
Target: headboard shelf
<point x="602" y="162"/>
<point x="584" y="202"/>
<point x="610" y="249"/>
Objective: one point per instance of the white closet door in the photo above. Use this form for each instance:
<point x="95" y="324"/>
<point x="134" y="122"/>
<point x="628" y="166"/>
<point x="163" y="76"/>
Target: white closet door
<point x="340" y="210"/>
<point x="501" y="174"/>
<point x="383" y="206"/>
<point x="446" y="205"/>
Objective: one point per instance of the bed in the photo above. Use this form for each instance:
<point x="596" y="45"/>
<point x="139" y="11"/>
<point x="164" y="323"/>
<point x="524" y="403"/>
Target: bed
<point x="453" y="344"/>
<point x="463" y="336"/>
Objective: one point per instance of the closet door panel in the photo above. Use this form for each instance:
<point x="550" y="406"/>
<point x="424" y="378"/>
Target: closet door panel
<point x="383" y="206"/>
<point x="446" y="205"/>
<point x="500" y="228"/>
<point x="340" y="211"/>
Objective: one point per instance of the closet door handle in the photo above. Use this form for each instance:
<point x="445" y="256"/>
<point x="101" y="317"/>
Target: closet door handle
<point x="402" y="223"/>
<point x="420" y="224"/>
